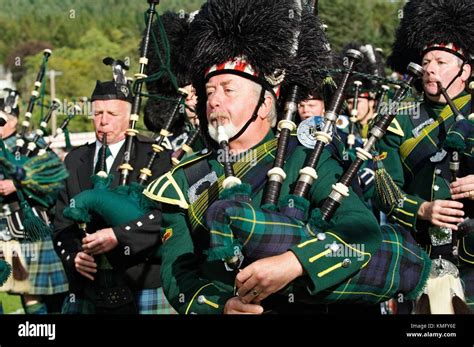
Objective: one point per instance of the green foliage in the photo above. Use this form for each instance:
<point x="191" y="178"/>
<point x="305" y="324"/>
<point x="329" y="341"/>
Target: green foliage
<point x="365" y="21"/>
<point x="10" y="303"/>
<point x="81" y="33"/>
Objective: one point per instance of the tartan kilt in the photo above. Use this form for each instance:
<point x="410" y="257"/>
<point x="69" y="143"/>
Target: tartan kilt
<point x="398" y="266"/>
<point x="153" y="301"/>
<point x="46" y="274"/>
<point x="150" y="301"/>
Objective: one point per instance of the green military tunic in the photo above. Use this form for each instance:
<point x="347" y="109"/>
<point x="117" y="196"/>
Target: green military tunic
<point x="420" y="174"/>
<point x="195" y="285"/>
<point x="423" y="182"/>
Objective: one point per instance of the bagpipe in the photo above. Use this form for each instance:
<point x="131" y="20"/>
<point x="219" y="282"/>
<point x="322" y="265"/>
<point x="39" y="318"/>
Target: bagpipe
<point x="166" y="115"/>
<point x="9" y="105"/>
<point x="240" y="238"/>
<point x="378" y="86"/>
<point x="20" y="142"/>
<point x="286" y="126"/>
<point x="245" y="233"/>
<point x="127" y="198"/>
<point x="444" y="291"/>
<point x="63" y="128"/>
<point x="376" y="133"/>
<point x="458" y="140"/>
<point x="169" y="87"/>
<point x="37" y="175"/>
<point x="164" y="133"/>
<point x="351" y="138"/>
<point x="186" y="148"/>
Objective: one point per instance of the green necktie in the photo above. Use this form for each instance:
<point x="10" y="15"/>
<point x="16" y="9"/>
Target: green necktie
<point x="108" y="153"/>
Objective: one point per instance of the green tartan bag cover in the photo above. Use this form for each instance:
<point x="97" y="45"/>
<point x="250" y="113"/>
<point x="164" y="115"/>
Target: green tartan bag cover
<point x="398" y="267"/>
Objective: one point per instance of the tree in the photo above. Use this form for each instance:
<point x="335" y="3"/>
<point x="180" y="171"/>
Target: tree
<point x="82" y="33"/>
<point x="365" y="21"/>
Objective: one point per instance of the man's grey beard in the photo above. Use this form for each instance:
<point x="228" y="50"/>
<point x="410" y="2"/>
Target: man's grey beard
<point x="230" y="130"/>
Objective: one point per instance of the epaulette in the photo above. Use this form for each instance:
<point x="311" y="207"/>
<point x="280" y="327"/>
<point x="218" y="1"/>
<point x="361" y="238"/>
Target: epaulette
<point x="166" y="190"/>
<point x="395" y="128"/>
<point x="192" y="159"/>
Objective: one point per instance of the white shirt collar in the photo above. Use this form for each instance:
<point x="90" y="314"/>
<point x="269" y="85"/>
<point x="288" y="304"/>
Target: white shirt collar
<point x="114" y="150"/>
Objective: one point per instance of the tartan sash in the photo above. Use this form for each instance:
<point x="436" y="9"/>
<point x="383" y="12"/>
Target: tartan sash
<point x="415" y="150"/>
<point x="253" y="172"/>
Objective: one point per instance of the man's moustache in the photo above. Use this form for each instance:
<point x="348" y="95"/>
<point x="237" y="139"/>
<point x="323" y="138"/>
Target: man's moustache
<point x="218" y="115"/>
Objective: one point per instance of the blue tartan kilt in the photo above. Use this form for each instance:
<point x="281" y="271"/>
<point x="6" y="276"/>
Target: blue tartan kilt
<point x="150" y="301"/>
<point x="45" y="270"/>
<point x="153" y="301"/>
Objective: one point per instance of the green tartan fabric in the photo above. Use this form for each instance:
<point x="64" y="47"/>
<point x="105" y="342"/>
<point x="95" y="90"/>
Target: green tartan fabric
<point x="429" y="141"/>
<point x="243" y="169"/>
<point x="186" y="238"/>
<point x="263" y="233"/>
<point x="46" y="272"/>
<point x="399" y="265"/>
<point x="149" y="301"/>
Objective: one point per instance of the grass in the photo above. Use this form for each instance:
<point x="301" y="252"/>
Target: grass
<point x="10" y="303"/>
